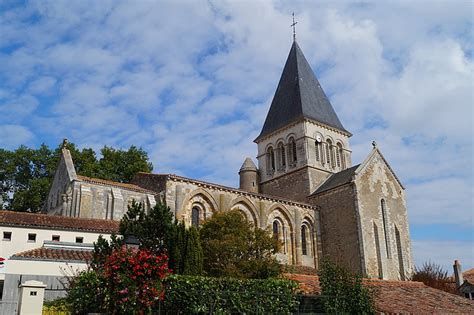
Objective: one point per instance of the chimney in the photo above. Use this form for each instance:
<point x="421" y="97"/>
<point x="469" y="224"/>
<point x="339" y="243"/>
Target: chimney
<point x="458" y="273"/>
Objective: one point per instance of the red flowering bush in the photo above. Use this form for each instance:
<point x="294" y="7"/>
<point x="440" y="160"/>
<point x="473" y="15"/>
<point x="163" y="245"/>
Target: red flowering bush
<point x="134" y="279"/>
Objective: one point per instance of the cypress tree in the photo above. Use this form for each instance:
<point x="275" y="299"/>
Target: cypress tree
<point x="192" y="264"/>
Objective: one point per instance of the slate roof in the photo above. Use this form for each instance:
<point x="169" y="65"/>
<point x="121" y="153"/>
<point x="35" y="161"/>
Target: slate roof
<point x="54" y="254"/>
<point x="25" y="219"/>
<point x="401" y="297"/>
<point x="299" y="95"/>
<point x="337" y="179"/>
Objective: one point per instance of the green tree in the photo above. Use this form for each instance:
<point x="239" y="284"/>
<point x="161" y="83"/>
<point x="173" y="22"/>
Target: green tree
<point x="185" y="252"/>
<point x="233" y="247"/>
<point x="344" y="292"/>
<point x="26" y="174"/>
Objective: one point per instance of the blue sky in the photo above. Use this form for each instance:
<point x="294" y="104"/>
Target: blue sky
<point x="191" y="82"/>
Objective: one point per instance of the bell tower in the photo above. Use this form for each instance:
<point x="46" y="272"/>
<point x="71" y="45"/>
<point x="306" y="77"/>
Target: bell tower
<point x="302" y="140"/>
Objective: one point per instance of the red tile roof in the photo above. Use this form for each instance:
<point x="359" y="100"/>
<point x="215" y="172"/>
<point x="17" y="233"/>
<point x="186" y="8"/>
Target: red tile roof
<point x="25" y="219"/>
<point x="401" y="296"/>
<point x="100" y="181"/>
<point x="54" y="254"/>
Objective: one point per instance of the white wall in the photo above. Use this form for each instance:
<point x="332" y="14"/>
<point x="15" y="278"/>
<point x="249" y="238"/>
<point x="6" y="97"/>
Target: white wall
<point x="19" y="240"/>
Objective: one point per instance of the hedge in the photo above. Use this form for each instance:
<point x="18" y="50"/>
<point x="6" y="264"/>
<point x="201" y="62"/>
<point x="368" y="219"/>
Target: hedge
<point x="194" y="294"/>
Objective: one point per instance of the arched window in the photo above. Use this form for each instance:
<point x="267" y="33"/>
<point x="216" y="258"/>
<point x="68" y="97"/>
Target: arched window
<point x="304" y="245"/>
<point x="318" y="150"/>
<point x="195" y="215"/>
<point x="292" y="151"/>
<point x="385" y="227"/>
<point x="281" y="154"/>
<point x="340" y="156"/>
<point x="279" y="234"/>
<point x="329" y="153"/>
<point x="271" y="159"/>
<point x="276" y="229"/>
<point x="377" y="249"/>
<point x="401" y="267"/>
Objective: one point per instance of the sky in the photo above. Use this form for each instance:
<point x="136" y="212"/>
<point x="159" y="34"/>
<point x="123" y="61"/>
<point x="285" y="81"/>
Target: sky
<point x="191" y="82"/>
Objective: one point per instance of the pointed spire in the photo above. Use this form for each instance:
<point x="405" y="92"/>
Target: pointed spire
<point x="299" y="95"/>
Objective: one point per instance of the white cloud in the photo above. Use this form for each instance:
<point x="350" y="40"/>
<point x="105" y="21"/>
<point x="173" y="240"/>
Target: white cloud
<point x="11" y="136"/>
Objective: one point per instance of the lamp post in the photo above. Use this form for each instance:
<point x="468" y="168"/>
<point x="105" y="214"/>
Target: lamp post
<point x="132" y="242"/>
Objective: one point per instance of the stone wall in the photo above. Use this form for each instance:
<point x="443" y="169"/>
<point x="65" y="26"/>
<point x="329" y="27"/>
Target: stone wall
<point x="182" y="195"/>
<point x="340" y="235"/>
<point x="391" y="258"/>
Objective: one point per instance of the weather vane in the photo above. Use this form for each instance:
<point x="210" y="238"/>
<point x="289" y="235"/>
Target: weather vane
<point x="294" y="27"/>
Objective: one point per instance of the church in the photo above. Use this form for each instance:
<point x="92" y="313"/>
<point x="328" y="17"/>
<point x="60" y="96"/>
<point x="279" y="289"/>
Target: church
<point x="305" y="189"/>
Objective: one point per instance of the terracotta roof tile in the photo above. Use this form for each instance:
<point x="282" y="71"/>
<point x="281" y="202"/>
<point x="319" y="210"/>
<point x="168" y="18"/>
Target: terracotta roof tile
<point x="128" y="186"/>
<point x="14" y="218"/>
<point x="55" y="254"/>
<point x="401" y="296"/>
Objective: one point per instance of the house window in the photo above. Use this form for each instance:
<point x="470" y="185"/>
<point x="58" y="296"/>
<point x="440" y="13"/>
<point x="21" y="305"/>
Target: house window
<point x="195" y="214"/>
<point x="31" y="237"/>
<point x="79" y="239"/>
<point x="55" y="238"/>
<point x="7" y="236"/>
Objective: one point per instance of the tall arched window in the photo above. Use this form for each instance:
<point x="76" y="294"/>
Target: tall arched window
<point x="318" y="150"/>
<point x="340" y="156"/>
<point x="304" y="244"/>
<point x="377" y="249"/>
<point x="195" y="215"/>
<point x="271" y="159"/>
<point x="401" y="267"/>
<point x="282" y="155"/>
<point x="279" y="234"/>
<point x="385" y="227"/>
<point x="292" y="158"/>
<point x="276" y="229"/>
<point x="329" y="153"/>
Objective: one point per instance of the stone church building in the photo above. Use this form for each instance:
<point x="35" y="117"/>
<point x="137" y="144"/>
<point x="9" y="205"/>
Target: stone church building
<point x="305" y="190"/>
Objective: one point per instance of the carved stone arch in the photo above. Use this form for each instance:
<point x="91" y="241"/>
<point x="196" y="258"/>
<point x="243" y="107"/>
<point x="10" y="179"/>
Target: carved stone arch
<point x="250" y="210"/>
<point x="280" y="140"/>
<point x="283" y="210"/>
<point x="201" y="199"/>
<point x="291" y="135"/>
<point x="270" y="145"/>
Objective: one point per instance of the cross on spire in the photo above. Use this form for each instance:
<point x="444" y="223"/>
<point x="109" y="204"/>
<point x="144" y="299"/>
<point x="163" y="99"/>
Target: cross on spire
<point x="294" y="28"/>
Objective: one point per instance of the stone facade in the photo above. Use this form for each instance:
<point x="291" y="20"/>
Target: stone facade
<point x="185" y="196"/>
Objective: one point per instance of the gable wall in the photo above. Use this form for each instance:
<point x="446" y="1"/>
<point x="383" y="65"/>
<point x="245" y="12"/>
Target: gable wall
<point x="374" y="183"/>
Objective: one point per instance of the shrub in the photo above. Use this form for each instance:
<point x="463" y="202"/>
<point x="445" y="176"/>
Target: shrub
<point x="87" y="293"/>
<point x="433" y="275"/>
<point x="192" y="294"/>
<point x="343" y="292"/>
<point x="134" y="279"/>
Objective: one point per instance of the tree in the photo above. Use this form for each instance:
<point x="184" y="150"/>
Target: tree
<point x="433" y="275"/>
<point x="344" y="292"/>
<point x="233" y="247"/>
<point x="26" y="174"/>
<point x="185" y="250"/>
